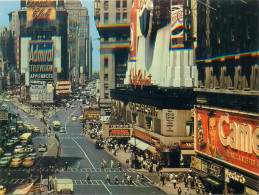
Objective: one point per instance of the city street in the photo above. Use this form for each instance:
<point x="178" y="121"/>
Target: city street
<point x="75" y="149"/>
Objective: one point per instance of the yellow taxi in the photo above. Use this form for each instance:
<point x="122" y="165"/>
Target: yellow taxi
<point x="28" y="162"/>
<point x="16" y="162"/>
<point x="72" y="106"/>
<point x="2" y="189"/>
<point x="36" y="130"/>
<point x="74" y="118"/>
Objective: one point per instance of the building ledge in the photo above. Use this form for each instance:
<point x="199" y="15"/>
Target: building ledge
<point x="228" y="91"/>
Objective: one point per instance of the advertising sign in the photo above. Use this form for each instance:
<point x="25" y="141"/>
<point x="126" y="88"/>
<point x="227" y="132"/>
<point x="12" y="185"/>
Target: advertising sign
<point x="196" y="163"/>
<point x="177" y="25"/>
<point x="41" y="58"/>
<point x="41" y="92"/>
<point x="229" y="137"/>
<point x="41" y="10"/>
<point x="119" y="132"/>
<point x="216" y="171"/>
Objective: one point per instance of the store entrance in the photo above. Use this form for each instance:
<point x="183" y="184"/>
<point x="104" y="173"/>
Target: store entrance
<point x="235" y="187"/>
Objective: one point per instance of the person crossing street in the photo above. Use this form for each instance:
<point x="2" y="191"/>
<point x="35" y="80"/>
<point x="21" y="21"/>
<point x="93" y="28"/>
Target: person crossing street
<point x="116" y="179"/>
<point x="87" y="178"/>
<point x="107" y="180"/>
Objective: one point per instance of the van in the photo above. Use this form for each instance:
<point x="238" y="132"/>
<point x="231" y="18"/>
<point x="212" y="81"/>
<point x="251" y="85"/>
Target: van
<point x="64" y="186"/>
<point x="56" y="125"/>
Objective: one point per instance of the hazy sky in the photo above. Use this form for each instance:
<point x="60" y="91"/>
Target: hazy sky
<point x="6" y="6"/>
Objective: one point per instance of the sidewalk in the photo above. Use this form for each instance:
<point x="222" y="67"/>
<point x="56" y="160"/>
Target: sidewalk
<point x="168" y="188"/>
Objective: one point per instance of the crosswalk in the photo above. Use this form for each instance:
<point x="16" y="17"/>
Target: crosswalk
<point x="14" y="181"/>
<point x="61" y="137"/>
<point x="100" y="182"/>
<point x="51" y="169"/>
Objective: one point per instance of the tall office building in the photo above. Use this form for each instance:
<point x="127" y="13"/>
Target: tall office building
<point x="43" y="47"/>
<point x="79" y="40"/>
<point x="112" y="19"/>
<point x="226" y="113"/>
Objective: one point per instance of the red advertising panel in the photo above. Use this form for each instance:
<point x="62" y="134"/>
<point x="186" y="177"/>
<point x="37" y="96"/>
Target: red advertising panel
<point x="119" y="132"/>
<point x="228" y="136"/>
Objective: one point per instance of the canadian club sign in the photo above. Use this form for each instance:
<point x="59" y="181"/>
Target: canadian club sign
<point x="231" y="137"/>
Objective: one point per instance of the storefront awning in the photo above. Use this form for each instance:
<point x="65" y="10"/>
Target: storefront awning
<point x="212" y="181"/>
<point x="133" y="142"/>
<point x="152" y="149"/>
<point x="188" y="152"/>
<point x="142" y="146"/>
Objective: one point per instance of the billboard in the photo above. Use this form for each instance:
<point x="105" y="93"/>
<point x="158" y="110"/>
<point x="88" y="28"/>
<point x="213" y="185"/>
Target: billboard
<point x="41" y="91"/>
<point x="228" y="136"/>
<point x="119" y="132"/>
<point x="41" y="59"/>
<point x="41" y="10"/>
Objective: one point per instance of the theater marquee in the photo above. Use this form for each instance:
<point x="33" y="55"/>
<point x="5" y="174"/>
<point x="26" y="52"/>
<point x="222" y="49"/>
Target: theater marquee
<point x="228" y="136"/>
<point x="121" y="132"/>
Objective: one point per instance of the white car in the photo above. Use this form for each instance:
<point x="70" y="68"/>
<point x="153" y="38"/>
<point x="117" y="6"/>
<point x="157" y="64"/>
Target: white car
<point x="18" y="148"/>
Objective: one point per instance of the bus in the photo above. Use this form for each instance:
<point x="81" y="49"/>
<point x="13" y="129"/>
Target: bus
<point x="26" y="138"/>
<point x="56" y="125"/>
<point x="81" y="119"/>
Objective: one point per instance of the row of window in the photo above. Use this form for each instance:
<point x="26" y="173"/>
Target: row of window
<point x="118" y="4"/>
<point x="118" y="18"/>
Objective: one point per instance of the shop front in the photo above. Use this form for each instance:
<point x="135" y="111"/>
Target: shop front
<point x="187" y="151"/>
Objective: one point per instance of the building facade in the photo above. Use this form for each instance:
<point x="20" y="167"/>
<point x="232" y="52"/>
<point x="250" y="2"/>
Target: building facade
<point x="226" y="112"/>
<point x="157" y="96"/>
<point x="43" y="47"/>
<point x="112" y="19"/>
<point x="79" y="42"/>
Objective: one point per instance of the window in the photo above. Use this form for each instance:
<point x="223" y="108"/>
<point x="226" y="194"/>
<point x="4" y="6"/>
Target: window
<point x="106" y="95"/>
<point x="124" y="17"/>
<point x="106" y="18"/>
<point x="106" y="5"/>
<point x="124" y="4"/>
<point x="106" y="76"/>
<point x="118" y="3"/>
<point x="134" y="118"/>
<point x="118" y="17"/>
<point x="105" y="62"/>
<point x="106" y="86"/>
<point x="106" y="38"/>
<point x="148" y="123"/>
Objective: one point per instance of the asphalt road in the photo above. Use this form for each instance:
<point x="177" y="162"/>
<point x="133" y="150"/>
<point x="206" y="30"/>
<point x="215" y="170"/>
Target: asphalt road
<point x="75" y="148"/>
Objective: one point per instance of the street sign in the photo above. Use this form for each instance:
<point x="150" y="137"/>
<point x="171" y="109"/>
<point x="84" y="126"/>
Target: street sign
<point x="3" y="115"/>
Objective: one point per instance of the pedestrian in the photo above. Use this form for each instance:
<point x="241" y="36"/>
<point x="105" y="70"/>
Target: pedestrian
<point x="104" y="163"/>
<point x="163" y="180"/>
<point x="186" y="190"/>
<point x="116" y="179"/>
<point x="112" y="164"/>
<point x="127" y="162"/>
<point x="79" y="165"/>
<point x="66" y="165"/>
<point x="142" y="178"/>
<point x="107" y="180"/>
<point x="101" y="165"/>
<point x="9" y="176"/>
<point x="119" y="166"/>
<point x="174" y="183"/>
<point x="125" y="148"/>
<point x="137" y="180"/>
<point x="171" y="176"/>
<point x="124" y="178"/>
<point x="179" y="190"/>
<point x="87" y="178"/>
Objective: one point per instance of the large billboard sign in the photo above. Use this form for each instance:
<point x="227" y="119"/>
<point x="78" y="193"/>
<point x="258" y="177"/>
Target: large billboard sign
<point x="119" y="132"/>
<point x="230" y="137"/>
<point x="41" y="59"/>
<point x="41" y="10"/>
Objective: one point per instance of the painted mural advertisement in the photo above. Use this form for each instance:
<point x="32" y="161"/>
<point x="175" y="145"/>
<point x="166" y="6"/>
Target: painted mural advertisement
<point x="231" y="137"/>
<point x="41" y="59"/>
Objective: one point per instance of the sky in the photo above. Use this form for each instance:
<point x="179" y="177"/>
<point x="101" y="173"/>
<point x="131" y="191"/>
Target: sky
<point x="7" y="6"/>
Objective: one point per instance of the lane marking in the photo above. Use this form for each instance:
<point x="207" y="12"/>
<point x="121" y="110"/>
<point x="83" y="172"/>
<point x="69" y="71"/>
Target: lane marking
<point x="106" y="187"/>
<point x="83" y="152"/>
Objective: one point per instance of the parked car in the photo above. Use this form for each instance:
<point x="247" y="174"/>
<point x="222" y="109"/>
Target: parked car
<point x="19" y="148"/>
<point x="4" y="161"/>
<point x="62" y="130"/>
<point x="36" y="130"/>
<point x="19" y="155"/>
<point x="2" y="189"/>
<point x="29" y="148"/>
<point x="42" y="148"/>
<point x="28" y="162"/>
<point x="30" y="127"/>
<point x="16" y="162"/>
<point x="8" y="155"/>
<point x="33" y="156"/>
<point x="16" y="140"/>
<point x="9" y="143"/>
